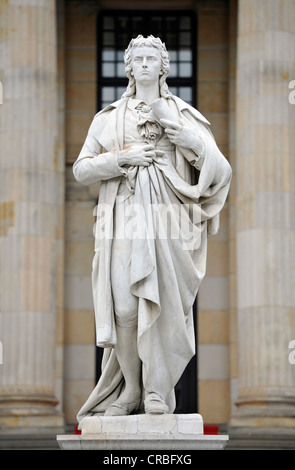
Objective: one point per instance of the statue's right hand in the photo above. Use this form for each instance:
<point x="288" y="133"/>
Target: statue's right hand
<point x="137" y="155"/>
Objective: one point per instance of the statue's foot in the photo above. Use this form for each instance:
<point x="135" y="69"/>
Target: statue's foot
<point x="154" y="404"/>
<point x="121" y="408"/>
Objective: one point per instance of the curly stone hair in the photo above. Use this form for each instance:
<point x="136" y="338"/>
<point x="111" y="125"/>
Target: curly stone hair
<point x="150" y="41"/>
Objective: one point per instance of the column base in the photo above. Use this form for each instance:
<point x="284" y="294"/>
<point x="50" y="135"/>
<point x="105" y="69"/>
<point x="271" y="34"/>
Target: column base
<point x="261" y="421"/>
<point x="261" y="438"/>
<point x="8" y="423"/>
<point x="34" y="412"/>
<point x="271" y="412"/>
<point x="263" y="424"/>
<point x="142" y="432"/>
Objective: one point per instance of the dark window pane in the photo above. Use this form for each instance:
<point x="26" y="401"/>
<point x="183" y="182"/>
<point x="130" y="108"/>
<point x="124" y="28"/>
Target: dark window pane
<point x="120" y="56"/>
<point x="173" y="69"/>
<point x="172" y="55"/>
<point x="171" y="24"/>
<point x="185" y="69"/>
<point x="171" y="41"/>
<point x="156" y="25"/>
<point x="108" y="94"/>
<point x="108" y="55"/>
<point x="185" y="39"/>
<point x="173" y="90"/>
<point x="185" y="55"/>
<point x="123" y="39"/>
<point x="121" y="69"/>
<point x="108" y="38"/>
<point x="108" y="69"/>
<point x="186" y="94"/>
<point x="108" y="22"/>
<point x="122" y="23"/>
<point x="120" y="90"/>
<point x="137" y="24"/>
<point x="185" y="22"/>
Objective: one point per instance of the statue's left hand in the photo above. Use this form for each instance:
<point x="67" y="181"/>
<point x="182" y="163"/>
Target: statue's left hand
<point x="181" y="135"/>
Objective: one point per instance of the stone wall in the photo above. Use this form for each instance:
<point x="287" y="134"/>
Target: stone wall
<point x="214" y="299"/>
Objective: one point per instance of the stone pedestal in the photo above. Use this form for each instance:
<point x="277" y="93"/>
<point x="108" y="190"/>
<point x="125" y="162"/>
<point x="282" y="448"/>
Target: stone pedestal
<point x="142" y="432"/>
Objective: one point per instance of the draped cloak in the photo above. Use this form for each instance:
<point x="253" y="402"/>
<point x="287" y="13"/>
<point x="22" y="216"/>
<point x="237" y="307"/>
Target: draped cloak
<point x="165" y="272"/>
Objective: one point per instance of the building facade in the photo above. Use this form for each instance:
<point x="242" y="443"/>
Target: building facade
<point x="60" y="62"/>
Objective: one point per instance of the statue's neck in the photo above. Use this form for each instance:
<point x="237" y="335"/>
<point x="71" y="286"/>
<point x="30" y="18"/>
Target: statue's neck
<point x="147" y="92"/>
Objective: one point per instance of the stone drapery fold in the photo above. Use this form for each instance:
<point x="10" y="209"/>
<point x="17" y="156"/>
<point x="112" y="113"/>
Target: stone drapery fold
<point x="160" y="265"/>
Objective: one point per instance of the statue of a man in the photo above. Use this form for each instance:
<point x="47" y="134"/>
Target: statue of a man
<point x="163" y="183"/>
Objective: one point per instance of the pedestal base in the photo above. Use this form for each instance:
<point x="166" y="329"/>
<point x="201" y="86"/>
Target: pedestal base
<point x="142" y="432"/>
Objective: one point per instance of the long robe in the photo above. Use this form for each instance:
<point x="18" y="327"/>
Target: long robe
<point x="165" y="271"/>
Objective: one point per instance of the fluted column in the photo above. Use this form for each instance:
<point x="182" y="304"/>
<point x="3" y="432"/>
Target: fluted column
<point x="265" y="185"/>
<point x="29" y="211"/>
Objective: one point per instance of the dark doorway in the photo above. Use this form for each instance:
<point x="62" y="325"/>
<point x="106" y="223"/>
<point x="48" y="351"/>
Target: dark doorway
<point x="178" y="30"/>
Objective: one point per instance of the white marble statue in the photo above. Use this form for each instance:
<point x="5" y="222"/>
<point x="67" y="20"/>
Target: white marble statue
<point x="163" y="183"/>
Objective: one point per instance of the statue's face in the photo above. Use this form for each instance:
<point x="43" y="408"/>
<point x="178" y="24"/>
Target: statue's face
<point x="146" y="64"/>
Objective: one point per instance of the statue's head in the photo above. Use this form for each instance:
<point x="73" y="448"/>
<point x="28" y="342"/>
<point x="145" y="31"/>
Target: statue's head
<point x="149" y="41"/>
